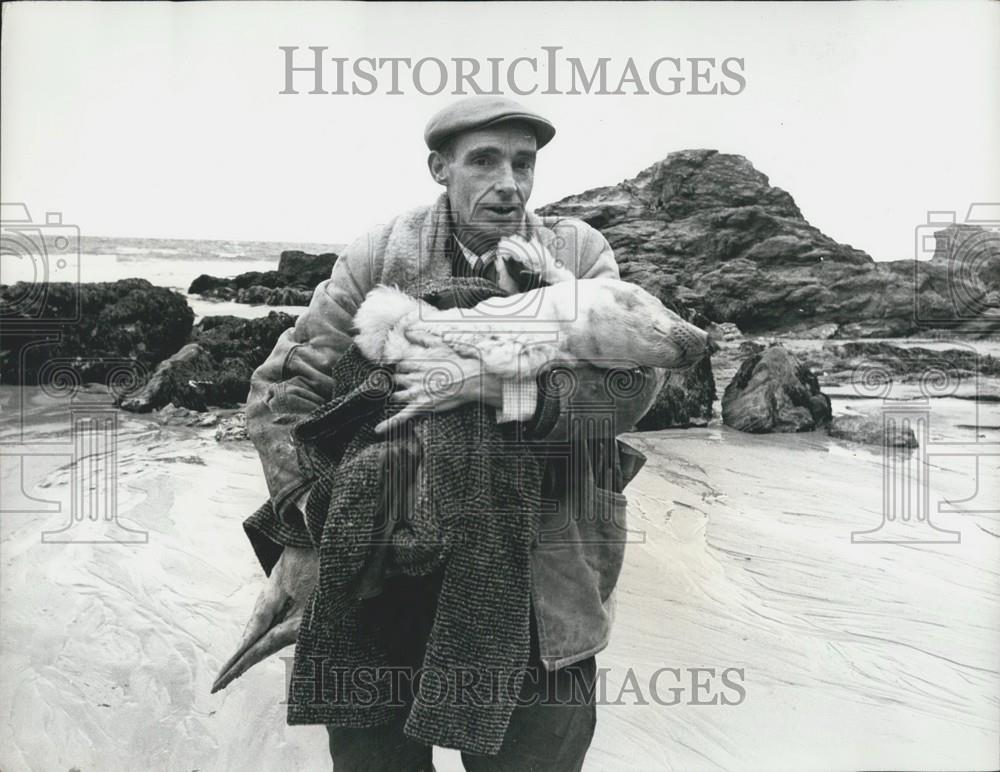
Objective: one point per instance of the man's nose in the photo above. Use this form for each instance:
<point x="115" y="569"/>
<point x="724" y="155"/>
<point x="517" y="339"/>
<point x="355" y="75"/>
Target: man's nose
<point x="506" y="184"/>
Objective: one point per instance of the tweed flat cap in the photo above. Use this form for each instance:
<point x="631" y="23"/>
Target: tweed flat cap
<point x="479" y="111"/>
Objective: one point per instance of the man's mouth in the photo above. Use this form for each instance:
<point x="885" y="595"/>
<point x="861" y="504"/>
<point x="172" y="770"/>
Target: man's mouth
<point x="500" y="210"/>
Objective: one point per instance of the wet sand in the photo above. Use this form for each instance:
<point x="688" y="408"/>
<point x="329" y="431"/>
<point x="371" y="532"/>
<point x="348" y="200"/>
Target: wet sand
<point x="853" y="654"/>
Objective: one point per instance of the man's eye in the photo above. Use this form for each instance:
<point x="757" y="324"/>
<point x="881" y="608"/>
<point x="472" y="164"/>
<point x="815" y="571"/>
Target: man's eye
<point x="482" y="161"/>
<point x="526" y="165"/>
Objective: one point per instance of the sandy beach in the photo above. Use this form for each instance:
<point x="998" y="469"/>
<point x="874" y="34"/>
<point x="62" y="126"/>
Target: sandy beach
<point x="850" y="654"/>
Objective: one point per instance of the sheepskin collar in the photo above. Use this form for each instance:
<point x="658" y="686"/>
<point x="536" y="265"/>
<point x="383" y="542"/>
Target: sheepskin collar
<point x="421" y="244"/>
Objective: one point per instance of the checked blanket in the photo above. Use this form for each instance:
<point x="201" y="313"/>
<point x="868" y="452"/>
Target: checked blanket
<point x="453" y="492"/>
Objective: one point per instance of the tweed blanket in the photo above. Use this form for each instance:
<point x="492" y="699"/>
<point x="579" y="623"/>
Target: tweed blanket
<point x="454" y="492"/>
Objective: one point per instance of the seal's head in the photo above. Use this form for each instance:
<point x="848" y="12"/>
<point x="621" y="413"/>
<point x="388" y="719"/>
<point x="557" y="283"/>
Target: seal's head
<point x="483" y="151"/>
<point x="620" y="322"/>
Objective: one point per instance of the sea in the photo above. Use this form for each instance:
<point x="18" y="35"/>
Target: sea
<point x="172" y="263"/>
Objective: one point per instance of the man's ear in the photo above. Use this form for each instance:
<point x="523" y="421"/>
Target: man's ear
<point x="438" y="167"/>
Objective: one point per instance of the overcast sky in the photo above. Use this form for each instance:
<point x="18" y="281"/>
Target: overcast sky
<point x="166" y="120"/>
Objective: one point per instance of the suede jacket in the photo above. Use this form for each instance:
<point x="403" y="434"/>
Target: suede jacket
<point x="578" y="553"/>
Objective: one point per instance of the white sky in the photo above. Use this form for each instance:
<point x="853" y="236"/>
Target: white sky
<point x="165" y="119"/>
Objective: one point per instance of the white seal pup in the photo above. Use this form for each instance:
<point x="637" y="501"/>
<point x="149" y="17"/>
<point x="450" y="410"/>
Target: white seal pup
<point x="602" y="322"/>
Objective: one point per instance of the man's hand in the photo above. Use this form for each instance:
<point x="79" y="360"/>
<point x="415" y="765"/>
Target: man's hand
<point x="433" y="385"/>
<point x="277" y="615"/>
<point x="532" y="257"/>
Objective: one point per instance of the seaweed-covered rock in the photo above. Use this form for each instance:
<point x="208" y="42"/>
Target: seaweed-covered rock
<point x="277" y="296"/>
<point x="773" y="392"/>
<point x="88" y="331"/>
<point x="303" y="269"/>
<point x="291" y="285"/>
<point x="871" y="430"/>
<point x="910" y="360"/>
<point x="214" y="369"/>
<point x="685" y="399"/>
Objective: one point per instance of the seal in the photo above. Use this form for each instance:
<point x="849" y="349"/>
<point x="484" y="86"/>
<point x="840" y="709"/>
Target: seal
<point x="603" y="322"/>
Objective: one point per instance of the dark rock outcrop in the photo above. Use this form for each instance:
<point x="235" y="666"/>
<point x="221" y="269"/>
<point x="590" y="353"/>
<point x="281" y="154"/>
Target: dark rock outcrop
<point x="773" y="392"/>
<point x="305" y="269"/>
<point x="292" y="284"/>
<point x="277" y="296"/>
<point x="708" y="231"/>
<point x="95" y="331"/>
<point x="685" y="399"/>
<point x="875" y="362"/>
<point x="215" y="368"/>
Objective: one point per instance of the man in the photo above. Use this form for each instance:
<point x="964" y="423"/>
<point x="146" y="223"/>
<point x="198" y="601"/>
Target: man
<point x="483" y="152"/>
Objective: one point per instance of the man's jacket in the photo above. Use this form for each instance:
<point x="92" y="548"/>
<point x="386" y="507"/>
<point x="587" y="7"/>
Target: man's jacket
<point x="579" y="550"/>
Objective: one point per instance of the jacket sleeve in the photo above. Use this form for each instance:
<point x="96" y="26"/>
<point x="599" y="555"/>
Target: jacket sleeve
<point x="293" y="381"/>
<point x="563" y="391"/>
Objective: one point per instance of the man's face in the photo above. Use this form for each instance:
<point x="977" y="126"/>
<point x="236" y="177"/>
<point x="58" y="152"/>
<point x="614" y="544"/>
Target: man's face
<point x="489" y="174"/>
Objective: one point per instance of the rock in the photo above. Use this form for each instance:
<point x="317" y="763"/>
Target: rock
<point x="773" y="392"/>
<point x="174" y="415"/>
<point x="249" y="340"/>
<point x="749" y="348"/>
<point x="970" y="247"/>
<point x="233" y="428"/>
<point x="229" y="424"/>
<point x="727" y="332"/>
<point x="873" y="365"/>
<point x="707" y="230"/>
<point x="278" y="296"/>
<point x="205" y="284"/>
<point x="870" y="430"/>
<point x="215" y="368"/>
<point x="254" y="294"/>
<point x="291" y="285"/>
<point x="819" y="332"/>
<point x="303" y="269"/>
<point x="114" y="330"/>
<point x="290" y="296"/>
<point x="178" y="381"/>
<point x="915" y="359"/>
<point x="685" y="399"/>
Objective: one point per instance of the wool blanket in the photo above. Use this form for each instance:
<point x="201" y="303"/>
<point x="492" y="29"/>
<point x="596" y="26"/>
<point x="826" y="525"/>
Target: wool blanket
<point x="453" y="492"/>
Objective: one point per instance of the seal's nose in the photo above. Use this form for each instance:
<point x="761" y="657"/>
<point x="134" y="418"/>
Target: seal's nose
<point x="693" y="342"/>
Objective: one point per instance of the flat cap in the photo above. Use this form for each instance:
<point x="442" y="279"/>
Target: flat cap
<point x="479" y="111"/>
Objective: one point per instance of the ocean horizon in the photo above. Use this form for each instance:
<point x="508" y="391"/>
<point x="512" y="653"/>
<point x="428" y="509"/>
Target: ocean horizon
<point x="171" y="263"/>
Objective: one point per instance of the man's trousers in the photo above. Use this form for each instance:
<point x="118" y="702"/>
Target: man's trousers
<point x="550" y="729"/>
